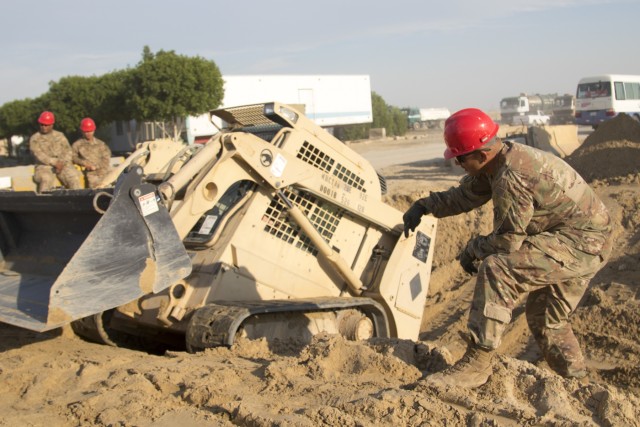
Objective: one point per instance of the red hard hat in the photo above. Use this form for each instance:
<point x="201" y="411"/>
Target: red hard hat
<point x="87" y="125"/>
<point x="466" y="131"/>
<point x="47" y="118"/>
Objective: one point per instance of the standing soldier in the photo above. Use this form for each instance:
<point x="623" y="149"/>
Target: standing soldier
<point x="551" y="235"/>
<point x="92" y="154"/>
<point x="53" y="156"/>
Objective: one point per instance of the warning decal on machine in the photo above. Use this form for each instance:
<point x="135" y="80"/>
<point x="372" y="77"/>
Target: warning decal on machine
<point x="421" y="249"/>
<point x="277" y="168"/>
<point x="208" y="223"/>
<point x="148" y="204"/>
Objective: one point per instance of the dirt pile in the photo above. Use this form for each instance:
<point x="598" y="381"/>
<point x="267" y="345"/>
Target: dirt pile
<point x="55" y="379"/>
<point x="331" y="382"/>
<point x="611" y="153"/>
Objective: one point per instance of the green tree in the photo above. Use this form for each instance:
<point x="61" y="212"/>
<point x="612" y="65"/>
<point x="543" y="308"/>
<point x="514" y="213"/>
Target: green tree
<point x="384" y="116"/>
<point x="73" y="98"/>
<point x="19" y="117"/>
<point x="114" y="106"/>
<point x="163" y="87"/>
<point x="166" y="87"/>
<point x="398" y="121"/>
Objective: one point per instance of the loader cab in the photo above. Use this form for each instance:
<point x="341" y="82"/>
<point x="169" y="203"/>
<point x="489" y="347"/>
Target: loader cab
<point x="207" y="226"/>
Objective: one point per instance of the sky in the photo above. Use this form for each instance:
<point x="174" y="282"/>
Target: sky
<point x="423" y="53"/>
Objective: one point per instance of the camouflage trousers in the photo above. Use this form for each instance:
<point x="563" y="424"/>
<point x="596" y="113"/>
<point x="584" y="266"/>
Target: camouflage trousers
<point x="555" y="285"/>
<point x="45" y="177"/>
<point x="94" y="178"/>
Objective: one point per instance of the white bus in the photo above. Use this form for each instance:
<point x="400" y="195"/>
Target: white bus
<point x="601" y="98"/>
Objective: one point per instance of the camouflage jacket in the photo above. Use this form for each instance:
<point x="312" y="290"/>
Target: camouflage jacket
<point x="94" y="153"/>
<point x="534" y="193"/>
<point x="49" y="149"/>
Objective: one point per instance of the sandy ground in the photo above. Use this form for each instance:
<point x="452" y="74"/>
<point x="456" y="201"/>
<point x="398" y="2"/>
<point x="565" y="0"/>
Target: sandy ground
<point x="56" y="379"/>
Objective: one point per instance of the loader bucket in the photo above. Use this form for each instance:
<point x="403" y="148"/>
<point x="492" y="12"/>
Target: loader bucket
<point x="60" y="260"/>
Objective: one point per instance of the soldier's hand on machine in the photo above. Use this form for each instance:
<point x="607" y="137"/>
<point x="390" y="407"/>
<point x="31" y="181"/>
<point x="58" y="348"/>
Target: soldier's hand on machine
<point x="412" y="217"/>
<point x="467" y="262"/>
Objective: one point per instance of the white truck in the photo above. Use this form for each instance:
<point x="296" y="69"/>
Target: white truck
<point x="533" y="119"/>
<point x="564" y="109"/>
<point x="426" y="118"/>
<point x="512" y="109"/>
<point x="328" y="100"/>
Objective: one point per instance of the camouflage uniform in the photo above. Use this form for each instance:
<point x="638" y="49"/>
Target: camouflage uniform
<point x="49" y="149"/>
<point x="551" y="235"/>
<point x="92" y="153"/>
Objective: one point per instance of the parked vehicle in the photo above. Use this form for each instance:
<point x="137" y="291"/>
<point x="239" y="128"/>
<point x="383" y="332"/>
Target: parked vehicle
<point x="524" y="104"/>
<point x="426" y="118"/>
<point x="600" y="98"/>
<point x="564" y="109"/>
<point x="537" y="119"/>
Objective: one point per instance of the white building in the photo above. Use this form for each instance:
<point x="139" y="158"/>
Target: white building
<point x="329" y="100"/>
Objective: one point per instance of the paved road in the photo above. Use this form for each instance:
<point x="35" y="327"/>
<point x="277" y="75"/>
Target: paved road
<point x="417" y="146"/>
<point x="413" y="148"/>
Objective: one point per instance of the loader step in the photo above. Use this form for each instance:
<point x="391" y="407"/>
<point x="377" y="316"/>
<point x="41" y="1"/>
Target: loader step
<point x="218" y="324"/>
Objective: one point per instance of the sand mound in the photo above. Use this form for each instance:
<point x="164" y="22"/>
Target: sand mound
<point x="55" y="379"/>
<point x="611" y="153"/>
<point x="330" y="382"/>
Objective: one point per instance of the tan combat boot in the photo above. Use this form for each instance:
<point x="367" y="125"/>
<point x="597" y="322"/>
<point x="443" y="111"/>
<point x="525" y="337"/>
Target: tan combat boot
<point x="471" y="371"/>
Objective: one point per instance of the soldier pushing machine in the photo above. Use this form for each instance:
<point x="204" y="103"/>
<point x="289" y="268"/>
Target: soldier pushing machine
<point x="551" y="235"/>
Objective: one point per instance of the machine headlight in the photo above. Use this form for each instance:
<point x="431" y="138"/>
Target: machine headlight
<point x="289" y="114"/>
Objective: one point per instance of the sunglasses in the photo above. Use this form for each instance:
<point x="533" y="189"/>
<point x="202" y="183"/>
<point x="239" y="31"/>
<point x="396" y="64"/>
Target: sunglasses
<point x="461" y="159"/>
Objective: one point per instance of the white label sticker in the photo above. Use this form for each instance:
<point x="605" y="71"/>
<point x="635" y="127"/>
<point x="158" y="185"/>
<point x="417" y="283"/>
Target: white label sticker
<point x="278" y="165"/>
<point x="148" y="204"/>
<point x="5" y="182"/>
<point x="208" y="224"/>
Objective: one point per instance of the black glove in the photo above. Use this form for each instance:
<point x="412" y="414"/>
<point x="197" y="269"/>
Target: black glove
<point x="466" y="261"/>
<point x="412" y="217"/>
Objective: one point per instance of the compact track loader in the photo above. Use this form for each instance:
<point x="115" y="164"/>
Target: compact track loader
<point x="273" y="228"/>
